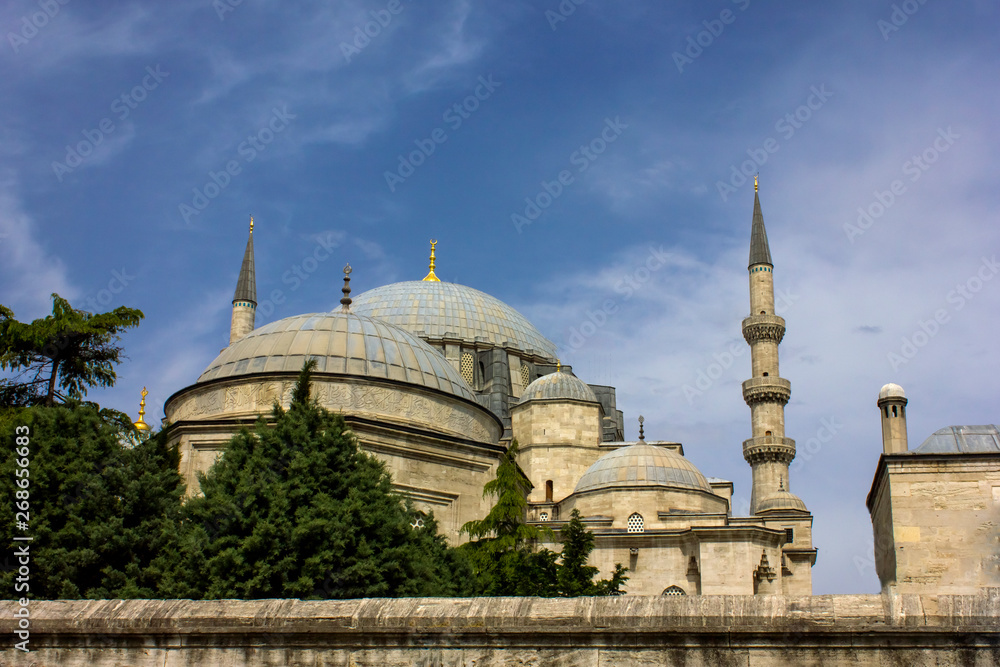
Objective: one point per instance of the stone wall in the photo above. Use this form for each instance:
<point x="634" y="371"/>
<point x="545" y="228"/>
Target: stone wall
<point x="629" y="631"/>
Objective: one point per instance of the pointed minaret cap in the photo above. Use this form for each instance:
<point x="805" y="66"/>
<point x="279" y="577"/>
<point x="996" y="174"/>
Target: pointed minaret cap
<point x="430" y="277"/>
<point x="246" y="286"/>
<point x="760" y="253"/>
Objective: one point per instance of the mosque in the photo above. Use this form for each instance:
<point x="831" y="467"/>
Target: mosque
<point x="436" y="379"/>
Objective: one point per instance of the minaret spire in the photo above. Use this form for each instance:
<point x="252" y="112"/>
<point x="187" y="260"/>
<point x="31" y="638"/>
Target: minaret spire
<point x="345" y="301"/>
<point x="768" y="451"/>
<point x="245" y="298"/>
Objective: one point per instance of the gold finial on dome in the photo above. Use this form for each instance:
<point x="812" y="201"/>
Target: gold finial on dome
<point x="345" y="302"/>
<point x="558" y="366"/>
<point x="430" y="277"/>
<point x="251" y="224"/>
<point x="142" y="425"/>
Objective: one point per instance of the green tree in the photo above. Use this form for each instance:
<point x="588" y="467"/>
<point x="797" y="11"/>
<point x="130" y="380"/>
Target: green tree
<point x="575" y="577"/>
<point x="501" y="550"/>
<point x="296" y="509"/>
<point x="69" y="349"/>
<point x="102" y="503"/>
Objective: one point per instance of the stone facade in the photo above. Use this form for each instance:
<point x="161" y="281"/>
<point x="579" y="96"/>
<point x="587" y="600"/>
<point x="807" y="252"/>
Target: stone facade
<point x="703" y="631"/>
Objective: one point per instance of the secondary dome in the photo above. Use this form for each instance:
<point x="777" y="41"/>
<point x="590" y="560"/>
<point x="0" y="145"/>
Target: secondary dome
<point x="558" y="385"/>
<point x="438" y="310"/>
<point x="962" y="439"/>
<point x="781" y="500"/>
<point x="345" y="343"/>
<point x="642" y="465"/>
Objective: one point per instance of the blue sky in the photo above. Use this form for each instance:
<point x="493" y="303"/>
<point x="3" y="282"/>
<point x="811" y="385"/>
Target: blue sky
<point x="114" y="117"/>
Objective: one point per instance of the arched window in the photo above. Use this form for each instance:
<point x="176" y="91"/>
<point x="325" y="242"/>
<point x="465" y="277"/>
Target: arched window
<point x="418" y="521"/>
<point x="894" y="414"/>
<point x="674" y="590"/>
<point x="635" y="523"/>
<point x="548" y="491"/>
<point x="544" y="516"/>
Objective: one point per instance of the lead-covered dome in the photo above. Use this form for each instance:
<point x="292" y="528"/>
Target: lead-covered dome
<point x="781" y="500"/>
<point x="962" y="439"/>
<point x="342" y="343"/>
<point x="642" y="465"/>
<point x="438" y="310"/>
<point x="556" y="386"/>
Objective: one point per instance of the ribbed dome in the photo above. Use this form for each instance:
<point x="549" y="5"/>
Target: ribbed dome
<point x="341" y="343"/>
<point x="642" y="465"/>
<point x="558" y="385"/>
<point x="437" y="310"/>
<point x="891" y="390"/>
<point x="962" y="439"/>
<point x="781" y="500"/>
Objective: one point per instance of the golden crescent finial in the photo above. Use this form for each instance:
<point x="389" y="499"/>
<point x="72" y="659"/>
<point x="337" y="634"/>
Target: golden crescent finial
<point x="755" y="182"/>
<point x="430" y="277"/>
<point x="251" y="224"/>
<point x="141" y="425"/>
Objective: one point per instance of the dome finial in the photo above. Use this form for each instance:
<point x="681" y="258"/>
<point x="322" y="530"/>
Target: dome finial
<point x="642" y="434"/>
<point x="430" y="277"/>
<point x="141" y="425"/>
<point x="251" y="224"/>
<point x="755" y="181"/>
<point x="345" y="302"/>
<point x="558" y="366"/>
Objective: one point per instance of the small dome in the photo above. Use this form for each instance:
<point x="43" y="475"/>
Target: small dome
<point x="343" y="343"/>
<point x="642" y="465"/>
<point x="962" y="439"/>
<point x="439" y="310"/>
<point x="781" y="500"/>
<point x="891" y="390"/>
<point x="558" y="385"/>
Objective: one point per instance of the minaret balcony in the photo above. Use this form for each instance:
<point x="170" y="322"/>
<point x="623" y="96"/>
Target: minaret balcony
<point x="763" y="327"/>
<point x="767" y="390"/>
<point x="769" y="448"/>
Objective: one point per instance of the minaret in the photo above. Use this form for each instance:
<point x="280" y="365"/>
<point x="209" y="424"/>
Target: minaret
<point x="892" y="405"/>
<point x="245" y="299"/>
<point x="768" y="452"/>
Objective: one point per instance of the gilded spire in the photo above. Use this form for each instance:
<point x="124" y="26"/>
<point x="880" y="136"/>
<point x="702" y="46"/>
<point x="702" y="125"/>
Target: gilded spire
<point x="142" y="425"/>
<point x="642" y="434"/>
<point x="760" y="252"/>
<point x="430" y="277"/>
<point x="558" y="366"/>
<point x="754" y="189"/>
<point x="246" y="286"/>
<point x="345" y="302"/>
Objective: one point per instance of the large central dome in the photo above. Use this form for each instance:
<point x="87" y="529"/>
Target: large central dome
<point x="437" y="311"/>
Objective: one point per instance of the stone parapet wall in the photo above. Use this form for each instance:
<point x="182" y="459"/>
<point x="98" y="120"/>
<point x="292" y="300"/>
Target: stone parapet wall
<point x="716" y="631"/>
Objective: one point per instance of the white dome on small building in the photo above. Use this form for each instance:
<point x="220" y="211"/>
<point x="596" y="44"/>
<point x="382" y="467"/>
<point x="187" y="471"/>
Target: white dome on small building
<point x="891" y="390"/>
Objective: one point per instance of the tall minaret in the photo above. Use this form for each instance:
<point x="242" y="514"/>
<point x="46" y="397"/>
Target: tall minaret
<point x="245" y="299"/>
<point x="768" y="452"/>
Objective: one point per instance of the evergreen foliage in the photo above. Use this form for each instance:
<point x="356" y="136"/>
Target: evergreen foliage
<point x="102" y="503"/>
<point x="503" y="553"/>
<point x="69" y="349"/>
<point x="296" y="509"/>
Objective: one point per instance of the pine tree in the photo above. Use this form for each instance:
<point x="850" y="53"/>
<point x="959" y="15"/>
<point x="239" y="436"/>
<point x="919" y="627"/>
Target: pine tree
<point x="575" y="577"/>
<point x="102" y="503"/>
<point x="296" y="509"/>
